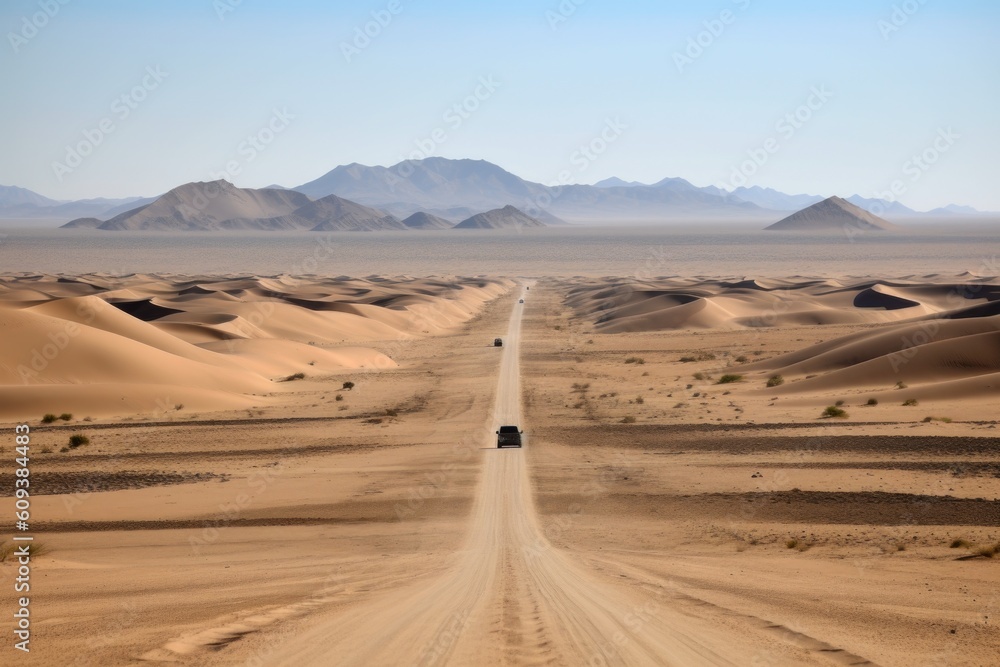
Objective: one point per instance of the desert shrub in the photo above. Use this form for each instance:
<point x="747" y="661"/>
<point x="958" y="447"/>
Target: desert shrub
<point x="960" y="543"/>
<point x="49" y="418"/>
<point x="775" y="381"/>
<point x="34" y="549"/>
<point x="66" y="416"/>
<point x="687" y="360"/>
<point x="581" y="388"/>
<point x="839" y="403"/>
<point x="741" y="359"/>
<point x="294" y="376"/>
<point x="78" y="440"/>
<point x="900" y="547"/>
<point x="792" y="543"/>
<point x="640" y="400"/>
<point x="988" y="552"/>
<point x="910" y="402"/>
<point x="901" y="385"/>
<point x="391" y="412"/>
<point x="338" y="397"/>
<point x="946" y="420"/>
<point x="635" y="360"/>
<point x="374" y="420"/>
<point x="699" y="376"/>
<point x="834" y="411"/>
<point x="348" y="386"/>
<point x="872" y="401"/>
<point x="628" y="420"/>
<point x="729" y="377"/>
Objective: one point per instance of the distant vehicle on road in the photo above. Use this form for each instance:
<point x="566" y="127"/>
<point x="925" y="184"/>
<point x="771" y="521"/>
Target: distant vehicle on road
<point x="498" y="342"/>
<point x="521" y="301"/>
<point x="508" y="436"/>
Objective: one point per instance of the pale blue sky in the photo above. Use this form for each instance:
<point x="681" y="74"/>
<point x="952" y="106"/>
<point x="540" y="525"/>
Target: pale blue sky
<point x="891" y="94"/>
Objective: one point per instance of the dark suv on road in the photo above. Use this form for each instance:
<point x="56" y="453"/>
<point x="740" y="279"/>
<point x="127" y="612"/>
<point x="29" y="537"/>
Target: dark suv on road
<point x="498" y="342"/>
<point x="509" y="436"/>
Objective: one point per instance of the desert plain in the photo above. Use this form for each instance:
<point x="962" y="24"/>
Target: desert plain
<point x="301" y="470"/>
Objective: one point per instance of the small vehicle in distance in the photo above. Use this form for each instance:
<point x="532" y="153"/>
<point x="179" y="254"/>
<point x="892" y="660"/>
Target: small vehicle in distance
<point x="521" y="301"/>
<point x="508" y="436"/>
<point x="498" y="342"/>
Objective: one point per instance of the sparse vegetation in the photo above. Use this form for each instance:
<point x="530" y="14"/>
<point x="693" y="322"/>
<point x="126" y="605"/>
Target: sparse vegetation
<point x="946" y="420"/>
<point x="628" y="420"/>
<point x="581" y="388"/>
<point x="640" y="400"/>
<point x="34" y="549"/>
<point x="910" y="402"/>
<point x="702" y="356"/>
<point x="391" y="412"/>
<point x="78" y="440"/>
<point x="49" y="418"/>
<point x="729" y="377"/>
<point x="839" y="403"/>
<point x="834" y="411"/>
<point x="901" y="385"/>
<point x="741" y="359"/>
<point x="66" y="416"/>
<point x="179" y="407"/>
<point x="348" y="386"/>
<point x="294" y="376"/>
<point x="338" y="397"/>
<point x="960" y="543"/>
<point x="988" y="552"/>
<point x="635" y="360"/>
<point x="872" y="401"/>
<point x="46" y="450"/>
<point x="374" y="420"/>
<point x="775" y="381"/>
<point x="699" y="376"/>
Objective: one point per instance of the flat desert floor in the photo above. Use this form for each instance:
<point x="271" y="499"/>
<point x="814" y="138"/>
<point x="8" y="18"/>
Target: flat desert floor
<point x="302" y="471"/>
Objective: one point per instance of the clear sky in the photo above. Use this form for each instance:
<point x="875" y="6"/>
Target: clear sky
<point x="690" y="89"/>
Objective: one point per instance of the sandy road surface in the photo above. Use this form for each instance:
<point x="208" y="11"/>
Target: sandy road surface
<point x="509" y="598"/>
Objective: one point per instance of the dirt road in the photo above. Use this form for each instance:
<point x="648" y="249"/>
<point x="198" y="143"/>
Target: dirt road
<point x="509" y="598"/>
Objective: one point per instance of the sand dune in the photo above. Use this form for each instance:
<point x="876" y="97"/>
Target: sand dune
<point x="104" y="346"/>
<point x="617" y="305"/>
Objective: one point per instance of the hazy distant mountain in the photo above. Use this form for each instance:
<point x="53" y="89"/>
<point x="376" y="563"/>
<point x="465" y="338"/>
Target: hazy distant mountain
<point x="333" y="214"/>
<point x="208" y="206"/>
<point x="424" y="220"/>
<point x="439" y="183"/>
<point x="833" y="214"/>
<point x="774" y="200"/>
<point x="615" y="182"/>
<point x="18" y="202"/>
<point x="508" y="217"/>
<point x="881" y="206"/>
<point x="955" y="209"/>
<point x="13" y="196"/>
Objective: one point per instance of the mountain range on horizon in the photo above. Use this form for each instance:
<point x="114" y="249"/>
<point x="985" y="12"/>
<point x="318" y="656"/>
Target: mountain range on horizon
<point x="454" y="190"/>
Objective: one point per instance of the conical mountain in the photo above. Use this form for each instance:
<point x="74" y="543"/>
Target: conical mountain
<point x="508" y="217"/>
<point x="423" y="220"/>
<point x="833" y="214"/>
